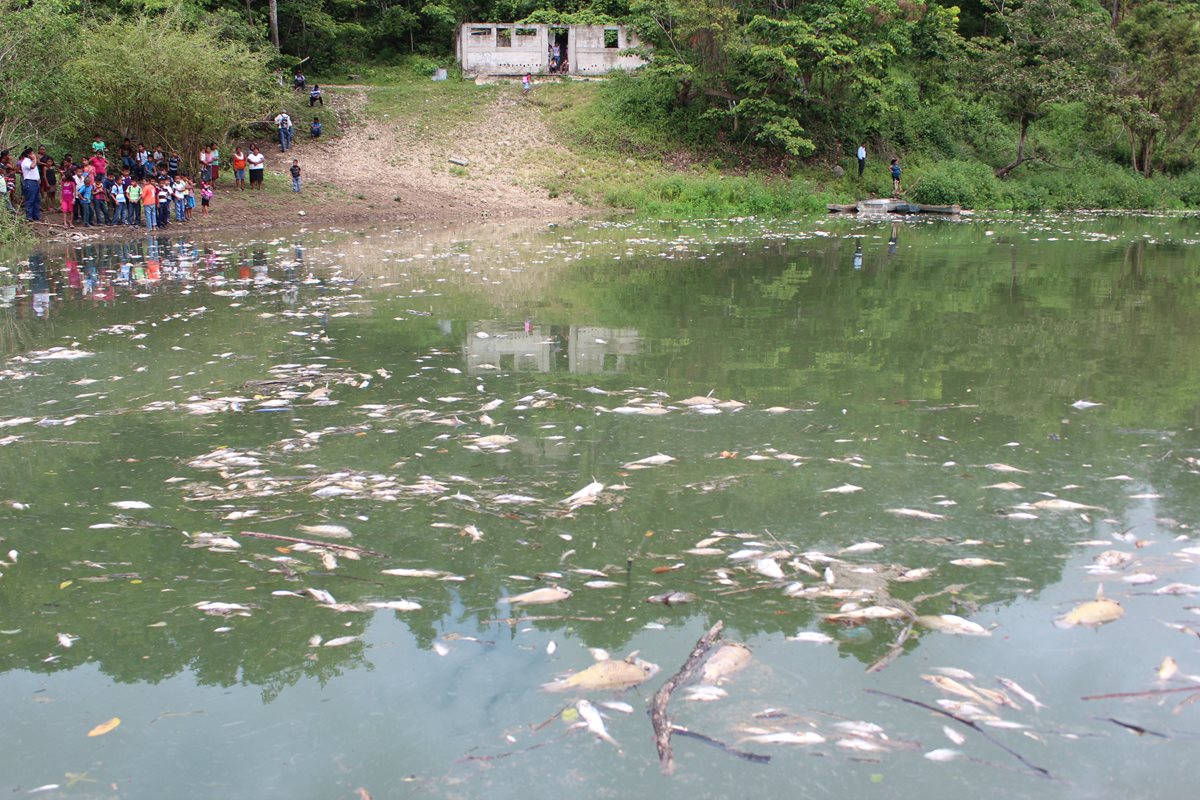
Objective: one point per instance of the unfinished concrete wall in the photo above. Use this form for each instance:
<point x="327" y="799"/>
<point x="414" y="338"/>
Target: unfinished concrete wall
<point x="502" y="49"/>
<point x="596" y="49"/>
<point x="486" y="48"/>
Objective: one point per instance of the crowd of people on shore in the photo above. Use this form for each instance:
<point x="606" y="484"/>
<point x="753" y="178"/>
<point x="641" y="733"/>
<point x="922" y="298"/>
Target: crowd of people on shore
<point x="141" y="186"/>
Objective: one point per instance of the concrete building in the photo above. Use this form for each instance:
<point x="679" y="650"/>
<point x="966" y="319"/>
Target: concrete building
<point x="486" y="48"/>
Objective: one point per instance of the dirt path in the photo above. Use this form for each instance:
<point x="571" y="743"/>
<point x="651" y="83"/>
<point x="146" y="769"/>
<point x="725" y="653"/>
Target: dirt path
<point x="389" y="171"/>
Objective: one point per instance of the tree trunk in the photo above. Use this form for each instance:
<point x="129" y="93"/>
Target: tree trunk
<point x="1148" y="155"/>
<point x="249" y="14"/>
<point x="274" y="6"/>
<point x="1021" y="158"/>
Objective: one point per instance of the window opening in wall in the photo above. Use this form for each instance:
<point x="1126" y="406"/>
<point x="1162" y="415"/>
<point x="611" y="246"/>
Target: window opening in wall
<point x="481" y="32"/>
<point x="503" y="37"/>
<point x="612" y="38"/>
<point x="526" y="32"/>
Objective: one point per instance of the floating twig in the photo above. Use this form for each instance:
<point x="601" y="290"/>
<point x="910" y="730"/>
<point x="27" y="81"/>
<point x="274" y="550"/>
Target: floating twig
<point x="1147" y="693"/>
<point x="1042" y="771"/>
<point x="1138" y="729"/>
<point x="658" y="709"/>
<point x="757" y="758"/>
<point x="896" y="649"/>
<point x="313" y="542"/>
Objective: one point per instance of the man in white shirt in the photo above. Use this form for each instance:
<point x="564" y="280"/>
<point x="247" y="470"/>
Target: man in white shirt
<point x="31" y="185"/>
<point x="285" y="131"/>
<point x="862" y="159"/>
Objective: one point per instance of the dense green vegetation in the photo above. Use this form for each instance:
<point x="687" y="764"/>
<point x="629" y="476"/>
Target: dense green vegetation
<point x="1027" y="105"/>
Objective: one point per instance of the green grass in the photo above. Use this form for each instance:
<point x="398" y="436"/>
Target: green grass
<point x="397" y="94"/>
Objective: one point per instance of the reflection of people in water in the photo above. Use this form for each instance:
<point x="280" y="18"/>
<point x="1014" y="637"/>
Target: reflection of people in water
<point x="894" y="239"/>
<point x="39" y="285"/>
<point x="858" y="255"/>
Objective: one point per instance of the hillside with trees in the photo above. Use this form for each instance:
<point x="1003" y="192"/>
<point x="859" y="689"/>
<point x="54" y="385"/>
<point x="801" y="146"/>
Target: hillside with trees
<point x="991" y="103"/>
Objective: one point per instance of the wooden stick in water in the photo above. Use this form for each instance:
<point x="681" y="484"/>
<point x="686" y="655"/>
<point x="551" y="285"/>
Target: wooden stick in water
<point x="315" y="543"/>
<point x="658" y="710"/>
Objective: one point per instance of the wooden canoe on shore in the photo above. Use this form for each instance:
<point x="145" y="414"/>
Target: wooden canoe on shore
<point x="891" y="207"/>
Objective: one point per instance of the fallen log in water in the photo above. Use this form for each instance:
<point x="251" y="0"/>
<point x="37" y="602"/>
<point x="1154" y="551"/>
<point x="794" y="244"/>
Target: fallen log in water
<point x="658" y="710"/>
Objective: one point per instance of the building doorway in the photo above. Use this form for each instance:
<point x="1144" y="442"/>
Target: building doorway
<point x="560" y="59"/>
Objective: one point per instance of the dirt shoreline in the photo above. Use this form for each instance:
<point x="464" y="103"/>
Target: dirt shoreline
<point x="375" y="173"/>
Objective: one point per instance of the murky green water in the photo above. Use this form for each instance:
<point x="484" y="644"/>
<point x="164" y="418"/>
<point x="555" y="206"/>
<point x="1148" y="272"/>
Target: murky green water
<point x="327" y="379"/>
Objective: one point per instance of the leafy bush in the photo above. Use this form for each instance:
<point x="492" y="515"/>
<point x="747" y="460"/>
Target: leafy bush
<point x="967" y="183"/>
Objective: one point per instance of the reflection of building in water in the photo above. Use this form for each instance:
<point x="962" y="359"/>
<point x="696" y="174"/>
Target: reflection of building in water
<point x="593" y="350"/>
<point x="509" y="348"/>
<point x="493" y="346"/>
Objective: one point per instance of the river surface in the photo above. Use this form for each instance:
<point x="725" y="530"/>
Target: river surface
<point x="888" y="457"/>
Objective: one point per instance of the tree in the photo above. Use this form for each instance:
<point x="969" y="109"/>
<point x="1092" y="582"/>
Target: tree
<point x="1049" y="51"/>
<point x="201" y="88"/>
<point x="34" y="102"/>
<point x="1156" y="86"/>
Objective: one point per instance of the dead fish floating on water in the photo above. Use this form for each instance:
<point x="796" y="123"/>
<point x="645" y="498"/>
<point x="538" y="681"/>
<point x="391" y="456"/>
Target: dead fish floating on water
<point x="607" y="674"/>
<point x="915" y="513"/>
<point x="1092" y="614"/>
<point x="667" y="598"/>
<point x="953" y="624"/>
<point x="729" y="658"/>
<point x="595" y="723"/>
<point x="548" y="594"/>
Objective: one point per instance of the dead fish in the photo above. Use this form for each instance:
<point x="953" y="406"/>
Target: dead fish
<point x="548" y="594"/>
<point x="471" y="531"/>
<point x="494" y="441"/>
<point x="943" y="754"/>
<point x="785" y="737"/>
<point x="585" y="495"/>
<point x="915" y="513"/>
<point x="1113" y="558"/>
<point x="868" y="613"/>
<point x="863" y="547"/>
<point x="811" y="637"/>
<point x="1092" y="614"/>
<point x="768" y="567"/>
<point x="617" y="705"/>
<point x="1005" y="468"/>
<point x="955" y="672"/>
<point x="854" y="743"/>
<point x="656" y="460"/>
<point x="605" y="585"/>
<point x="845" y="488"/>
<point x="951" y="686"/>
<point x="704" y="551"/>
<point x="951" y="623"/>
<point x="730" y="657"/>
<point x="402" y="572"/>
<point x="395" y="605"/>
<point x="704" y="693"/>
<point x="341" y="641"/>
<point x="595" y="723"/>
<point x="66" y="639"/>
<point x="607" y="674"/>
<point x="1007" y="486"/>
<point x="1058" y="504"/>
<point x="919" y="574"/>
<point x="669" y="598"/>
<point x="976" y="562"/>
<point x="1021" y="692"/>
<point x="130" y="505"/>
<point x="1167" y="668"/>
<point x="1178" y="589"/>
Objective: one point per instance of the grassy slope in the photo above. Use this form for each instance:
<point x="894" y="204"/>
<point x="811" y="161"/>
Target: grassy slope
<point x="610" y="152"/>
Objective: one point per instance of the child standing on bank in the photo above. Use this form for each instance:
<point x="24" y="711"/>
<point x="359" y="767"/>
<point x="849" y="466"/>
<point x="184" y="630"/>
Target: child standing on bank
<point x="295" y="170"/>
<point x="206" y="194"/>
